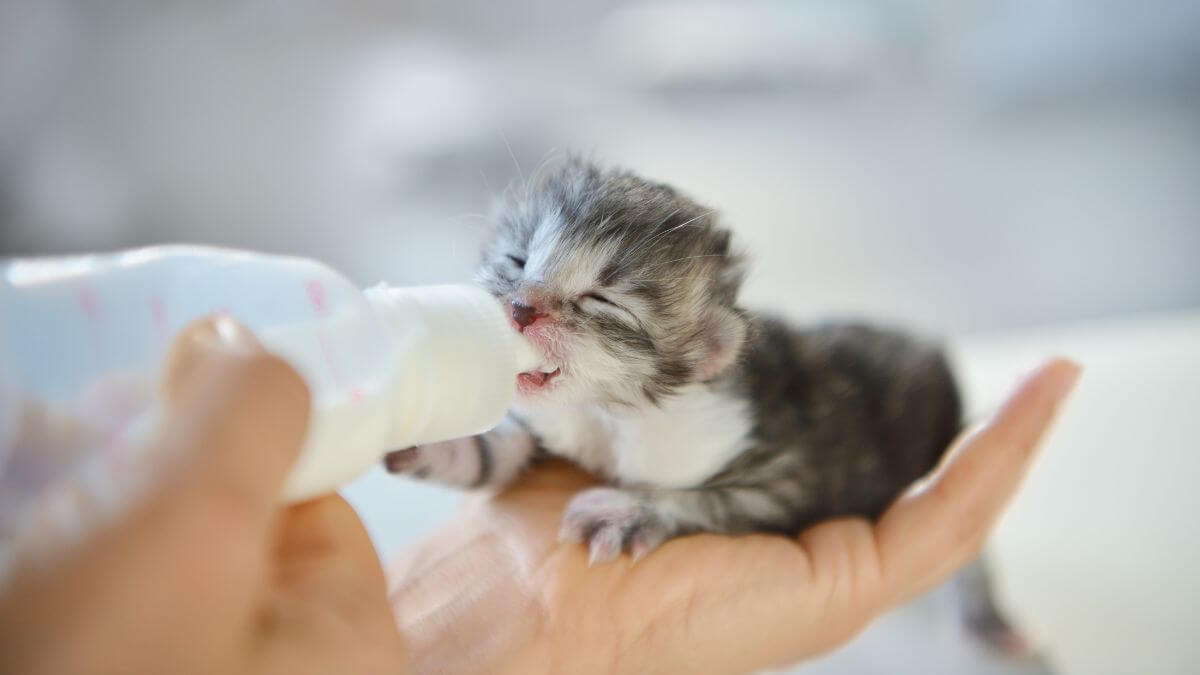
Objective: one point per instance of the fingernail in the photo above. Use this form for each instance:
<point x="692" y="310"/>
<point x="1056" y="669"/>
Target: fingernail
<point x="199" y="347"/>
<point x="221" y="333"/>
<point x="636" y="553"/>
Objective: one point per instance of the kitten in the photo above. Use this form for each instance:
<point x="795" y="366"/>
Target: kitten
<point x="702" y="416"/>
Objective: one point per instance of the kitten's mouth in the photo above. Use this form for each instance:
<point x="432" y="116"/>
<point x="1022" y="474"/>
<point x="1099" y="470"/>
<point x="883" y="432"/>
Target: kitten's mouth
<point x="536" y="380"/>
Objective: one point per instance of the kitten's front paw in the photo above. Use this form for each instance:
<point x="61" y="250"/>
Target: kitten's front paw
<point x="455" y="462"/>
<point x="611" y="521"/>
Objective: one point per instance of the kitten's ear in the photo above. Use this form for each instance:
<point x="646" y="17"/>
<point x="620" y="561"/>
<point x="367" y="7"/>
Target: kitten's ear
<point x="724" y="334"/>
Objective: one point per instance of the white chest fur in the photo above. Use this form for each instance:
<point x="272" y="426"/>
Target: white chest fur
<point x="680" y="444"/>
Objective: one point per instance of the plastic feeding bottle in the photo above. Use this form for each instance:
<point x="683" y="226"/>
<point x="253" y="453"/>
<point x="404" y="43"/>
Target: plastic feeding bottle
<point x="82" y="340"/>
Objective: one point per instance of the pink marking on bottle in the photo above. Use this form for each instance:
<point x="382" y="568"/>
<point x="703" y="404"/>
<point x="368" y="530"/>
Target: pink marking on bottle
<point x="356" y="394"/>
<point x="316" y="296"/>
<point x="158" y="312"/>
<point x="89" y="302"/>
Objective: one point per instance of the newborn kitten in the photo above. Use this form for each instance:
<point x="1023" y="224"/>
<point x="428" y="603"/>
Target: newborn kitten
<point x="702" y="416"/>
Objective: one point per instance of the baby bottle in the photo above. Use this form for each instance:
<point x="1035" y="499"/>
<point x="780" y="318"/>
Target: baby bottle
<point x="82" y="339"/>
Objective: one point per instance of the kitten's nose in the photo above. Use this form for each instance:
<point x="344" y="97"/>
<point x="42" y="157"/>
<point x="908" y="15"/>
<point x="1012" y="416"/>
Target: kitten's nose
<point x="525" y="315"/>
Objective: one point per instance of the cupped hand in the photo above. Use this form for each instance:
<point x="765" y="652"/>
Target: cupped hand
<point x="496" y="592"/>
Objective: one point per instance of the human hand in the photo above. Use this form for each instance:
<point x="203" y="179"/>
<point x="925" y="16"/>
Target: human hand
<point x="521" y="602"/>
<point x="207" y="574"/>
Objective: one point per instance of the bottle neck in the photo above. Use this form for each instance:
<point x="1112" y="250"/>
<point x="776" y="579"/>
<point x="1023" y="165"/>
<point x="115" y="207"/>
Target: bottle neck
<point x="457" y="360"/>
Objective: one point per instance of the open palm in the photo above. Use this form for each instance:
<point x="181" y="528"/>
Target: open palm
<point x="519" y="601"/>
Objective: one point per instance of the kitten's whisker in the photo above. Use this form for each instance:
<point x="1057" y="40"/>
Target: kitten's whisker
<point x="628" y="254"/>
<point x="664" y="233"/>
<point x="513" y="156"/>
<point x="537" y="170"/>
<point x="690" y="257"/>
<point x="660" y="235"/>
<point x="469" y="216"/>
<point x="487" y="183"/>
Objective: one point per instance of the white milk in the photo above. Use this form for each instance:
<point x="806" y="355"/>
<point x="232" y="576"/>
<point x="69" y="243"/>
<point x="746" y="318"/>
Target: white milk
<point x="82" y="340"/>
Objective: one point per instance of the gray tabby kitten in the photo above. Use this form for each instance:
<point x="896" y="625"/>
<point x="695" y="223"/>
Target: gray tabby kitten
<point x="702" y="416"/>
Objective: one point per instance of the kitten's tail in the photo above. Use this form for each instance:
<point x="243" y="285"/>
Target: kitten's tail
<point x="984" y="620"/>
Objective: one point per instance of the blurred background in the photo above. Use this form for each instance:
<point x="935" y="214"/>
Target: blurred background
<point x="1020" y="176"/>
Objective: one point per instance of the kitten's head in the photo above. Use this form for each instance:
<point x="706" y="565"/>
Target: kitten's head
<point x="626" y="285"/>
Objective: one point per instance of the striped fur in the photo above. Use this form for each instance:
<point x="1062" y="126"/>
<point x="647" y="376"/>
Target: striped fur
<point x="703" y="416"/>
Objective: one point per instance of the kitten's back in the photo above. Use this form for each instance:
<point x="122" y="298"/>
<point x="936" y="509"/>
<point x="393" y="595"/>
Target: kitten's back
<point x="849" y="414"/>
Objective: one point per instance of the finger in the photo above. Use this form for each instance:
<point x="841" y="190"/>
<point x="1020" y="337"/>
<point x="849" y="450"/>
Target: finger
<point x="235" y="420"/>
<point x="236" y="417"/>
<point x="941" y="523"/>
<point x="324" y="539"/>
<point x="328" y="574"/>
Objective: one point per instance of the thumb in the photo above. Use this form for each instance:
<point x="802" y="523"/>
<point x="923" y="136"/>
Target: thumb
<point x="236" y="417"/>
<point x="235" y="421"/>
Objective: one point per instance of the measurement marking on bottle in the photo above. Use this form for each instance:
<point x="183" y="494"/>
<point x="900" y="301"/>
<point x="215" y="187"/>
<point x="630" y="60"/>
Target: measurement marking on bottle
<point x="356" y="394"/>
<point x="316" y="298"/>
<point x="158" y="312"/>
<point x="89" y="303"/>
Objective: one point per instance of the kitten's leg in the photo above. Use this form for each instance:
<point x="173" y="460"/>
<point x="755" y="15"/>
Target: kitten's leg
<point x="638" y="520"/>
<point x="491" y="459"/>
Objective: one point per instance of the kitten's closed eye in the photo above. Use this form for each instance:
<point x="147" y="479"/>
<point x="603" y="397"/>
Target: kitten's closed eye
<point x="519" y="262"/>
<point x="610" y="307"/>
<point x="598" y="298"/>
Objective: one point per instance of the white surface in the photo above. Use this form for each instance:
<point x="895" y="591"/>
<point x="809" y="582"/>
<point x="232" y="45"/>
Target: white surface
<point x="1099" y="552"/>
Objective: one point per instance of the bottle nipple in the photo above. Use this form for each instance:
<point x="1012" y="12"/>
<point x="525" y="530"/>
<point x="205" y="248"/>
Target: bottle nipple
<point x="529" y="358"/>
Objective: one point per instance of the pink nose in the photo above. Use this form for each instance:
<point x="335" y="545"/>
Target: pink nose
<point x="525" y="315"/>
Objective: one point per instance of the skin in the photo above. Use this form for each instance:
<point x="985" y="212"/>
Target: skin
<point x="703" y="603"/>
<point x="207" y="574"/>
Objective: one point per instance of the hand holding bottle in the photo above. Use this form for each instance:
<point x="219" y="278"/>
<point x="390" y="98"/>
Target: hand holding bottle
<point x="207" y="574"/>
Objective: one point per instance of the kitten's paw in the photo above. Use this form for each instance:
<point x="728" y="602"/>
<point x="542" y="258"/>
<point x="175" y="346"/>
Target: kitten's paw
<point x="455" y="462"/>
<point x="611" y="521"/>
